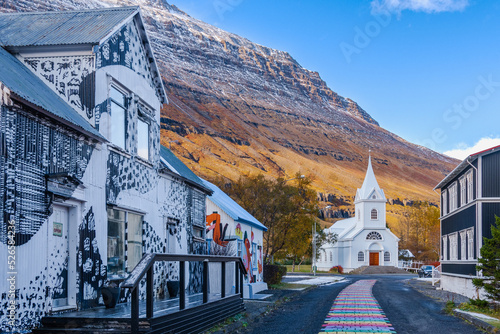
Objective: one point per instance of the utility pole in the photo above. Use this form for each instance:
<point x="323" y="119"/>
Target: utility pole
<point x="314" y="249"/>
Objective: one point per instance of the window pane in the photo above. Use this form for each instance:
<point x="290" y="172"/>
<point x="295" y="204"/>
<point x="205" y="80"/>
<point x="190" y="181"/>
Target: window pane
<point x="134" y="241"/>
<point x="116" y="243"/>
<point x="118" y="96"/>
<point x="143" y="139"/>
<point x="117" y="125"/>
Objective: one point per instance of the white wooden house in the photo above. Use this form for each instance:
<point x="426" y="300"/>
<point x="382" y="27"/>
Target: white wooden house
<point x="83" y="189"/>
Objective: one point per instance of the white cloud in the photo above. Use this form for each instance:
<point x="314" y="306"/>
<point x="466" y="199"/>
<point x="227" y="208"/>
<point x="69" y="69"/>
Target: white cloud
<point x="462" y="151"/>
<point x="427" y="6"/>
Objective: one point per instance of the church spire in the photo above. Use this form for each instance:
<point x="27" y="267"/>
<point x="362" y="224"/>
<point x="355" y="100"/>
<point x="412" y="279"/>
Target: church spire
<point x="370" y="185"/>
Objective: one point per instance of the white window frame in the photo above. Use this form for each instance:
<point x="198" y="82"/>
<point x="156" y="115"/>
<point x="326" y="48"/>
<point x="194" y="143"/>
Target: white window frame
<point x="331" y="256"/>
<point x="361" y="256"/>
<point x="463" y="245"/>
<point x="453" y="196"/>
<point x="387" y="256"/>
<point x="470" y="186"/>
<point x="374" y="214"/>
<point x="470" y="244"/>
<point x="463" y="191"/>
<point x="144" y="155"/>
<point x="445" y="247"/>
<point x="444" y="201"/>
<point x="453" y="246"/>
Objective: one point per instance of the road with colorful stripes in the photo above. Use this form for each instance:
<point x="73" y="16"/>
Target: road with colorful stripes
<point x="359" y="304"/>
<point x="356" y="311"/>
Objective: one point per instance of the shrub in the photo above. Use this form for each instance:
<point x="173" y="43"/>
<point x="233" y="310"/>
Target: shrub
<point x="273" y="273"/>
<point x="480" y="303"/>
<point x="337" y="269"/>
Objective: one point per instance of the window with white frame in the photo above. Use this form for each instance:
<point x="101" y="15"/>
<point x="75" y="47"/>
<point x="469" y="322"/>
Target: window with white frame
<point x="373" y="236"/>
<point x="374" y="214"/>
<point x="387" y="256"/>
<point x="118" y="101"/>
<point x="445" y="247"/>
<point x="361" y="257"/>
<point x="142" y="139"/>
<point x="463" y="191"/>
<point x="470" y="187"/>
<point x="124" y="242"/>
<point x="331" y="256"/>
<point x="444" y="201"/>
<point x="453" y="197"/>
<point x="463" y="245"/>
<point x="254" y="255"/>
<point x="453" y="246"/>
<point x="470" y="244"/>
<point x="239" y="247"/>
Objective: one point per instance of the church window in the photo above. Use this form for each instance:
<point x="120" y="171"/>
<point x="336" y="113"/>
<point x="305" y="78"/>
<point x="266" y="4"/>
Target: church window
<point x="374" y="214"/>
<point x="373" y="236"/>
<point x="331" y="256"/>
<point x="361" y="257"/>
<point x="387" y="256"/>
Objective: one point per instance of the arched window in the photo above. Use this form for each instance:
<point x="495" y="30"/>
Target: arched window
<point x="387" y="256"/>
<point x="374" y="214"/>
<point x="361" y="257"/>
<point x="373" y="236"/>
<point x="331" y="256"/>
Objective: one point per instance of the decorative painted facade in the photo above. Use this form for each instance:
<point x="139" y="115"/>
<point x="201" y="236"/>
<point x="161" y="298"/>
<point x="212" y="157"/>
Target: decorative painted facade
<point x="232" y="231"/>
<point x="363" y="240"/>
<point x="470" y="200"/>
<point x="84" y="192"/>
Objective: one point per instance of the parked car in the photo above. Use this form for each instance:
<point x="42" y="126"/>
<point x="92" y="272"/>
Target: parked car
<point x="425" y="271"/>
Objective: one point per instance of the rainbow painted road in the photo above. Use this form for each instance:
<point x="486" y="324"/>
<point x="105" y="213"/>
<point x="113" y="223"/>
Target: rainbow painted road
<point x="355" y="310"/>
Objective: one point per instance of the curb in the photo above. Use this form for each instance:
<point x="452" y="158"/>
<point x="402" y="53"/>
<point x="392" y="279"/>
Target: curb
<point x="476" y="322"/>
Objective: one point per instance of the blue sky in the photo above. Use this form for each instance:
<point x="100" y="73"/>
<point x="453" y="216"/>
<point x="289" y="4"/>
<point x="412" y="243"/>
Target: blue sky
<point x="427" y="70"/>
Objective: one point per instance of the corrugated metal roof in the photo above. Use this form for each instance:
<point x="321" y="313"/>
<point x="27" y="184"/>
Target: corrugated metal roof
<point x="175" y="165"/>
<point x="60" y="28"/>
<point x="233" y="209"/>
<point x="24" y="83"/>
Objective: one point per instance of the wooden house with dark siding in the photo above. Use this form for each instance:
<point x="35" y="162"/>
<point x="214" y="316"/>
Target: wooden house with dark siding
<point x="470" y="199"/>
<point x="87" y="194"/>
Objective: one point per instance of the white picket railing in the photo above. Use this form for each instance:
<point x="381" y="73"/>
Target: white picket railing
<point x="436" y="275"/>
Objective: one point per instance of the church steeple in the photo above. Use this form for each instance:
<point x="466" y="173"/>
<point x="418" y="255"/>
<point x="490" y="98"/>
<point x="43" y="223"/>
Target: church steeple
<point x="370" y="189"/>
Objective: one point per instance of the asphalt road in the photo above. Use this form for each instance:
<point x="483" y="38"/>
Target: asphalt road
<point x="407" y="310"/>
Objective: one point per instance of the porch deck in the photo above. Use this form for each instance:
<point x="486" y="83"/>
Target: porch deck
<point x="167" y="318"/>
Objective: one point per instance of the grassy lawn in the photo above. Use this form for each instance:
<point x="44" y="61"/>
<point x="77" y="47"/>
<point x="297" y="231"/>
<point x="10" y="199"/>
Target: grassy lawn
<point x="486" y="311"/>
<point x="303" y="268"/>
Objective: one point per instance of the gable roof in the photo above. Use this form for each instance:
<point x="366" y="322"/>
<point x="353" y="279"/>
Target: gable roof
<point x="61" y="27"/>
<point x="27" y="86"/>
<point x="465" y="164"/>
<point x="233" y="209"/>
<point x="78" y="27"/>
<point x="178" y="168"/>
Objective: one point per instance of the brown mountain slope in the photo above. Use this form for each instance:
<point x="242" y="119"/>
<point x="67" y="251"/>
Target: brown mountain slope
<point x="239" y="108"/>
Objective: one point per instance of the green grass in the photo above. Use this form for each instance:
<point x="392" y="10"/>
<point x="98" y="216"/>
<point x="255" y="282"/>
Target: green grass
<point x="303" y="268"/>
<point x="495" y="313"/>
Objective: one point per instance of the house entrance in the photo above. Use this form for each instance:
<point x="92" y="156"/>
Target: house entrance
<point x="374" y="259"/>
<point x="59" y="254"/>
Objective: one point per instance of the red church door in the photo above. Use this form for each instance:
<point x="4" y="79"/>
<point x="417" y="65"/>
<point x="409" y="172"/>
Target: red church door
<point x="374" y="259"/>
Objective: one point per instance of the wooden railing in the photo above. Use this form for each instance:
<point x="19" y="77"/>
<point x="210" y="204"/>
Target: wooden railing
<point x="145" y="267"/>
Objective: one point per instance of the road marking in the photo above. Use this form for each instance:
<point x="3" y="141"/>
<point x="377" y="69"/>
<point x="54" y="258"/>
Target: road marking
<point x="355" y="310"/>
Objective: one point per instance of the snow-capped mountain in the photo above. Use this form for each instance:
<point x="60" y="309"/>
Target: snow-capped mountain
<point x="237" y="107"/>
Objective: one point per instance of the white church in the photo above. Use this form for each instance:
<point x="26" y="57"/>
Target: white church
<point x="363" y="239"/>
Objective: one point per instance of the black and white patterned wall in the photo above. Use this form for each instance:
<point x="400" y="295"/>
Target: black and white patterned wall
<point x="125" y="48"/>
<point x="31" y="149"/>
<point x="72" y="77"/>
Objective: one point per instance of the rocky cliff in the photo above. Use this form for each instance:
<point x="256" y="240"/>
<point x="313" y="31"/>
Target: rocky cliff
<point x="239" y="108"/>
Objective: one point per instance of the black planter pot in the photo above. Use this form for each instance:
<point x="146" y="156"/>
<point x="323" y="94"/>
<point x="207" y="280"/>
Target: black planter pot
<point x="110" y="296"/>
<point x="173" y="288"/>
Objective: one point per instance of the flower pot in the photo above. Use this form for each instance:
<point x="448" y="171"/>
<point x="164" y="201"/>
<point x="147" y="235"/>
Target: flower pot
<point x="110" y="296"/>
<point x="173" y="288"/>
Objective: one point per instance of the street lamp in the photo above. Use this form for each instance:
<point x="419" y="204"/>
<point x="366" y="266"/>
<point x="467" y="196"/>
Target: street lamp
<point x="314" y="244"/>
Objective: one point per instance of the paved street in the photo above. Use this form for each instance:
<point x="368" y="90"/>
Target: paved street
<point x="349" y="307"/>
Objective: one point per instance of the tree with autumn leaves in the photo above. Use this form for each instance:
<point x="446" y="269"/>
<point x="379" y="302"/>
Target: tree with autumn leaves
<point x="288" y="208"/>
<point x="418" y="231"/>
